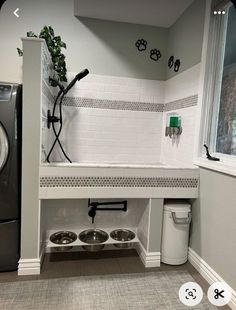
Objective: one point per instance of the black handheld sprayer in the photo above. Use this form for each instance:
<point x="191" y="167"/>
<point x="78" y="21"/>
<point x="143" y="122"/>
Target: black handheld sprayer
<point x="52" y="119"/>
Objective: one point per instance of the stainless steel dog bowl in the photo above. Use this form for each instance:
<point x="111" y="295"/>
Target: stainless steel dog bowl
<point x="63" y="237"/>
<point x="94" y="237"/>
<point x="63" y="248"/>
<point x="123" y="235"/>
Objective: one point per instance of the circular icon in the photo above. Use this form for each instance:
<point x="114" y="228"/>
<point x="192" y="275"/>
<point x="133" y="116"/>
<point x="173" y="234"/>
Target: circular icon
<point x="219" y="294"/>
<point x="190" y="294"/>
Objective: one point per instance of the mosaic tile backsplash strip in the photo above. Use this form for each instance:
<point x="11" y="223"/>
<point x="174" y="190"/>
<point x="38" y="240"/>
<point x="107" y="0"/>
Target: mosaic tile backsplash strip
<point x="112" y="104"/>
<point x="130" y="106"/>
<point x="118" y="182"/>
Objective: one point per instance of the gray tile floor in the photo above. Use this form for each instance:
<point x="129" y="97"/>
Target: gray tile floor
<point x="74" y="264"/>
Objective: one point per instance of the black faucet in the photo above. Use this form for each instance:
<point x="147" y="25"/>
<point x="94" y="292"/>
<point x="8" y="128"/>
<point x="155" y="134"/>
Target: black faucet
<point x="208" y="155"/>
<point x="94" y="207"/>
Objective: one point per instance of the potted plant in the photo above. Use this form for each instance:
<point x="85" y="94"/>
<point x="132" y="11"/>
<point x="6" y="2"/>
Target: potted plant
<point x="55" y="46"/>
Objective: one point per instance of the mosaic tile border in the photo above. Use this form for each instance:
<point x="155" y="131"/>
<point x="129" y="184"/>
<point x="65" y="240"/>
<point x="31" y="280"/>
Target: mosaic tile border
<point x="118" y="182"/>
<point x="80" y="102"/>
<point x="186" y="102"/>
<point x="112" y="104"/>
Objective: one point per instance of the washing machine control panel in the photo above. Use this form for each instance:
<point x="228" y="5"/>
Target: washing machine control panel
<point x="5" y="92"/>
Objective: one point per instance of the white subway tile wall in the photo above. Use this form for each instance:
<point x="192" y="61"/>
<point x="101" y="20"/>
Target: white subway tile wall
<point x="111" y="136"/>
<point x="129" y="132"/>
<point x="183" y="87"/>
<point x="47" y="100"/>
<point x="179" y="151"/>
<point x="118" y="88"/>
<point x="74" y="214"/>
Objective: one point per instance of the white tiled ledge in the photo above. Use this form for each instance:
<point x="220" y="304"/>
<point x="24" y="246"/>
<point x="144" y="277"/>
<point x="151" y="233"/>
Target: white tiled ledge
<point x="111" y="193"/>
<point x="117" y="170"/>
<point x="73" y="182"/>
<point x="219" y="166"/>
<point x="116" y="165"/>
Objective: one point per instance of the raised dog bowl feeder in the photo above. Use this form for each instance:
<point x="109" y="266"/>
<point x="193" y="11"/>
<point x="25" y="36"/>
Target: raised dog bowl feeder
<point x="122" y="235"/>
<point x="94" y="238"/>
<point x="63" y="238"/>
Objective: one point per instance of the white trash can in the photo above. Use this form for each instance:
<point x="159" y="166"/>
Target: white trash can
<point x="175" y="232"/>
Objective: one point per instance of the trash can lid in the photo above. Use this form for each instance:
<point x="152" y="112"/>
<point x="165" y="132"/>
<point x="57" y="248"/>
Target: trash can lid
<point x="177" y="206"/>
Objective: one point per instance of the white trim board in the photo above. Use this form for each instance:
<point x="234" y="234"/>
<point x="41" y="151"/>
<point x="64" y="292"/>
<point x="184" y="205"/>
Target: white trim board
<point x="149" y="259"/>
<point x="30" y="266"/>
<point x="208" y="273"/>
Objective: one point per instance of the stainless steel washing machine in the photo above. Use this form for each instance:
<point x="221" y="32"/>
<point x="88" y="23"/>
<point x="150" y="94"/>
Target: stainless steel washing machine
<point x="10" y="174"/>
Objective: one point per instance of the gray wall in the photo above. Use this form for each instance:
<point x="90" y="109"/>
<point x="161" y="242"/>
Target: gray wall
<point x="186" y="36"/>
<point x="214" y="224"/>
<point x="106" y="48"/>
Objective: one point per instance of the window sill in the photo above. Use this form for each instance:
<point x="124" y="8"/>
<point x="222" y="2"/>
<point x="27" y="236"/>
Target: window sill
<point x="222" y="166"/>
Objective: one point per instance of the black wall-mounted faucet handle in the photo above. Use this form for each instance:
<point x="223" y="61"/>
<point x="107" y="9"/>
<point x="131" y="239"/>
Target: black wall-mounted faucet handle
<point x="92" y="213"/>
<point x="95" y="207"/>
<point x="208" y="155"/>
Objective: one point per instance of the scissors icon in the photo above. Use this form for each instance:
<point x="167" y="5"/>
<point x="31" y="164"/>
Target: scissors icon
<point x="218" y="294"/>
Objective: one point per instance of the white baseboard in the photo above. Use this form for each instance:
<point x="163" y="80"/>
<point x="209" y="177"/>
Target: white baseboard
<point x="208" y="273"/>
<point x="27" y="267"/>
<point x="149" y="259"/>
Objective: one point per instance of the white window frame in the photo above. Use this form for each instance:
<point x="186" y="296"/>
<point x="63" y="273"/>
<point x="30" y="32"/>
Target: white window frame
<point x="210" y="90"/>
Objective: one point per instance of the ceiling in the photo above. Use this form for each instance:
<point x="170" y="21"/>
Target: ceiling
<point x="161" y="13"/>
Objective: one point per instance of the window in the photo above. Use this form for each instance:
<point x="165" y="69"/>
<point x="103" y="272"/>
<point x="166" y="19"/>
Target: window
<point x="226" y="127"/>
<point x="220" y="90"/>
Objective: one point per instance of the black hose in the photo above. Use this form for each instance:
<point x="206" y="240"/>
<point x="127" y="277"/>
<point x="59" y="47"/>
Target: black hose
<point x="57" y="134"/>
<point x="62" y="93"/>
<point x="53" y="113"/>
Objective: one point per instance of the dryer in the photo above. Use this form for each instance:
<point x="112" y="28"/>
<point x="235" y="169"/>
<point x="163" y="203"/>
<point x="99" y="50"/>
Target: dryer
<point x="10" y="174"/>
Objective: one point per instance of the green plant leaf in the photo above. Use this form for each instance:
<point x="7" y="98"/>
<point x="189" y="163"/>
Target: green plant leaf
<point x="52" y="82"/>
<point x="63" y="79"/>
<point x="51" y="31"/>
<point x="63" y="44"/>
<point x="54" y="44"/>
<point x="45" y="30"/>
<point x="62" y="57"/>
<point x="20" y="52"/>
<point x="31" y="34"/>
<point x="55" y="59"/>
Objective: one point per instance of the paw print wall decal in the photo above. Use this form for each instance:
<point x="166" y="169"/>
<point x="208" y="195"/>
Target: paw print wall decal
<point x="177" y="65"/>
<point x="171" y="62"/>
<point x="141" y="45"/>
<point x="155" y="54"/>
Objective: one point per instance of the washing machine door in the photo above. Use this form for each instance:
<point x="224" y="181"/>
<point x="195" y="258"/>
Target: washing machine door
<point x="4" y="147"/>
